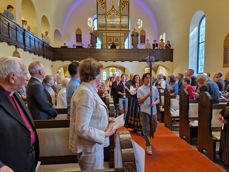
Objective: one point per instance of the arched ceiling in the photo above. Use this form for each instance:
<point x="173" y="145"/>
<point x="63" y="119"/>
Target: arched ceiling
<point x="65" y="10"/>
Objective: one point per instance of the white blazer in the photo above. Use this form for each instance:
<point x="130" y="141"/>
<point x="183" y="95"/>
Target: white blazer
<point x="88" y="120"/>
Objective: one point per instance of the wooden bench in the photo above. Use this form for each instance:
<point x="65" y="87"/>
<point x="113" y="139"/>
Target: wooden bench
<point x="209" y="127"/>
<point x="171" y="109"/>
<point x="188" y="117"/>
<point x="160" y="107"/>
<point x="54" y="140"/>
<point x="125" y="148"/>
<point x="62" y="113"/>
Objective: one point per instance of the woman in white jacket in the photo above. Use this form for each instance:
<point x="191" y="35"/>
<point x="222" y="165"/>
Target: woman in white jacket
<point x="89" y="121"/>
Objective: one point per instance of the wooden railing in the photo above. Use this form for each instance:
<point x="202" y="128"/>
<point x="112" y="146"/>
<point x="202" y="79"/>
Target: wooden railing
<point x="112" y="54"/>
<point x="13" y="34"/>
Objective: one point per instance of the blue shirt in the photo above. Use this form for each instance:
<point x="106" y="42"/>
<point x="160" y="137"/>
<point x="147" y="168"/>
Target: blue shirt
<point x="8" y="14"/>
<point x="70" y="89"/>
<point x="145" y="106"/>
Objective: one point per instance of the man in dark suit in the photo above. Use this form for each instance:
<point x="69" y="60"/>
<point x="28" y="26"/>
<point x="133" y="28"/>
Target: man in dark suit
<point x="114" y="94"/>
<point x="19" y="147"/>
<point x="38" y="102"/>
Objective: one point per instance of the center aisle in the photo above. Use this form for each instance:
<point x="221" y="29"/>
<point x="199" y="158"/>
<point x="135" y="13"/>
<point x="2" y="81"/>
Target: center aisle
<point x="172" y="154"/>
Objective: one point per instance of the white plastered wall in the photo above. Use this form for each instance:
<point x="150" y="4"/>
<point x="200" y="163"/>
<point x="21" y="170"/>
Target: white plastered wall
<point x="173" y="18"/>
<point x="27" y="58"/>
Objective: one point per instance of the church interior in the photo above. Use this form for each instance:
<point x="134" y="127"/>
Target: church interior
<point x="130" y="37"/>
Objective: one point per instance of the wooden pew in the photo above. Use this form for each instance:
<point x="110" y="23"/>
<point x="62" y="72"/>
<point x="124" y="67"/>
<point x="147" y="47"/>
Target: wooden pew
<point x="54" y="140"/>
<point x="125" y="147"/>
<point x="171" y="109"/>
<point x="53" y="137"/>
<point x="208" y="125"/>
<point x="188" y="117"/>
<point x="62" y="114"/>
<point x="160" y="107"/>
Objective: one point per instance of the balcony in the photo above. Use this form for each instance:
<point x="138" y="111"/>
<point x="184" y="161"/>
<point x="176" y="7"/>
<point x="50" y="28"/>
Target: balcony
<point x="13" y="34"/>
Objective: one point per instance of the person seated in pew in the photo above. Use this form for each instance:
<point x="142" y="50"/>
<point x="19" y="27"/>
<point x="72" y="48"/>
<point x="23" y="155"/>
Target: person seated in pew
<point x="188" y="88"/>
<point x="89" y="122"/>
<point x="224" y="141"/>
<point x="38" y="103"/>
<point x="204" y="84"/>
<point x="226" y="81"/>
<point x="219" y="81"/>
<point x="19" y="147"/>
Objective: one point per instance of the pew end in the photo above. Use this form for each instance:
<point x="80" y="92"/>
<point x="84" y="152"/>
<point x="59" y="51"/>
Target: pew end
<point x="209" y="127"/>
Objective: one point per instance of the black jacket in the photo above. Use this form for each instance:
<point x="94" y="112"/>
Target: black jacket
<point x="15" y="144"/>
<point x="38" y="103"/>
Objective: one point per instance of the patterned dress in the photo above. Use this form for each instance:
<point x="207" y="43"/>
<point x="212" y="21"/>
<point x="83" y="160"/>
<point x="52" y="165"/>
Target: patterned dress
<point x="133" y="120"/>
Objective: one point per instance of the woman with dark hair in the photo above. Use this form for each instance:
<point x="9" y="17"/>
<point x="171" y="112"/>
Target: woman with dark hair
<point x="133" y="120"/>
<point x="89" y="122"/>
<point x="224" y="141"/>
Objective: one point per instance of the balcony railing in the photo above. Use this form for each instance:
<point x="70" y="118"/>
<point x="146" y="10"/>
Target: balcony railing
<point x="13" y="34"/>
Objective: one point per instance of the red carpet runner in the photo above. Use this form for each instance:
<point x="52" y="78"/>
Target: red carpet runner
<point x="172" y="154"/>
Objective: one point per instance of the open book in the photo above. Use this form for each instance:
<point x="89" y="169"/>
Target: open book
<point x="119" y="122"/>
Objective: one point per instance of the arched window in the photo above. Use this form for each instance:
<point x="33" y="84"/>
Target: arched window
<point x="197" y="42"/>
<point x="95" y="27"/>
<point x="226" y="51"/>
<point x="95" y="22"/>
<point x="142" y="37"/>
<point x="78" y="35"/>
<point x="201" y="45"/>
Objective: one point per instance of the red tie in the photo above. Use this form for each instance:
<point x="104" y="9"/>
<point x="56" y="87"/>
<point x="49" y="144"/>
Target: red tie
<point x="24" y="118"/>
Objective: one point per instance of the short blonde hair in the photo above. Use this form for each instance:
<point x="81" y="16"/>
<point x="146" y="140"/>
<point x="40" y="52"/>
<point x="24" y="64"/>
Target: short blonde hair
<point x="34" y="67"/>
<point x="89" y="69"/>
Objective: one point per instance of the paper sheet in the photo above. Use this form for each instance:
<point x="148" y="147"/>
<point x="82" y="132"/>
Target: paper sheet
<point x="119" y="122"/>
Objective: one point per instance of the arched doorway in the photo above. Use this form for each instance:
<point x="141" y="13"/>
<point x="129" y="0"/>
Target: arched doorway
<point x="112" y="70"/>
<point x="28" y="13"/>
<point x="45" y="26"/>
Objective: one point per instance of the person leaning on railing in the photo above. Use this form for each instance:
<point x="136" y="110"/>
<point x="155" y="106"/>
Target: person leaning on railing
<point x="8" y="12"/>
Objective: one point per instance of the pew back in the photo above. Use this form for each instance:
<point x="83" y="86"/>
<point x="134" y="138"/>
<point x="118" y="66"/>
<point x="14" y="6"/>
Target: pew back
<point x="53" y="137"/>
<point x="171" y="109"/>
<point x="208" y="126"/>
<point x="188" y="115"/>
